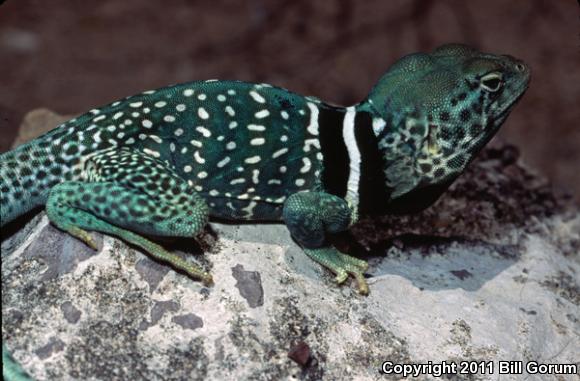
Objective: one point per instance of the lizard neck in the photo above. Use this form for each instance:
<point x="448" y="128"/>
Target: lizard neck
<point x="353" y="165"/>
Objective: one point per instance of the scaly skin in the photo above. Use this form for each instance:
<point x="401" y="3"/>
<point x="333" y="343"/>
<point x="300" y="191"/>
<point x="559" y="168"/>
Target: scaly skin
<point x="162" y="162"/>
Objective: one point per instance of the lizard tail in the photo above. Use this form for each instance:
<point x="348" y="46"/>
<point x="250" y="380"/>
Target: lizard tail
<point x="26" y="176"/>
<point x="11" y="370"/>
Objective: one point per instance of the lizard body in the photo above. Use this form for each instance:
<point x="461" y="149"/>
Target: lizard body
<point x="164" y="161"/>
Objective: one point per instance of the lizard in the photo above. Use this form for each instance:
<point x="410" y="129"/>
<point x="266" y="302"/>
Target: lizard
<point x="162" y="162"/>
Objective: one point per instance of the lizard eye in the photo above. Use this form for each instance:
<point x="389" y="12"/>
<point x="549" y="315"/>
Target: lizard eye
<point x="491" y="82"/>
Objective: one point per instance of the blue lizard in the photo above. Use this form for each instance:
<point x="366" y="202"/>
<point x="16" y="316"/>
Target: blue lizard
<point x="163" y="162"/>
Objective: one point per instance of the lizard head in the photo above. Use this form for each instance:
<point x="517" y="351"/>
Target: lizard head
<point x="440" y="109"/>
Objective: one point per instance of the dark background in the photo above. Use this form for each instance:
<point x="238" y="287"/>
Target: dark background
<point x="70" y="56"/>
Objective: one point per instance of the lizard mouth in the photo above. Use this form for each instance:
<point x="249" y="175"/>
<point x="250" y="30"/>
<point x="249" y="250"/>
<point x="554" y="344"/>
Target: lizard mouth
<point x="520" y="90"/>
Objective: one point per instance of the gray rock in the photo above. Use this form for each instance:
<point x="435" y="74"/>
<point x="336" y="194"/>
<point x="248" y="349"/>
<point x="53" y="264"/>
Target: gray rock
<point x="488" y="273"/>
<point x="70" y="312"/>
<point x="54" y="345"/>
<point x="160" y="308"/>
<point x="60" y="253"/>
<point x="250" y="285"/>
<point x="188" y="321"/>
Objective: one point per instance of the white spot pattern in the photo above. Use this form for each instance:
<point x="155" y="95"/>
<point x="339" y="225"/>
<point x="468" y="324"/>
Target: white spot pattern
<point x="257" y="141"/>
<point x="307" y="165"/>
<point x="257" y="97"/>
<point x="230" y="111"/>
<point x="279" y="153"/>
<point x="151" y="152"/>
<point x="255" y="174"/>
<point x="253" y="159"/>
<point x="198" y="157"/>
<point x="204" y="131"/>
<point x="262" y="114"/>
<point x="202" y="113"/>
<point x="223" y="162"/>
<point x="256" y="127"/>
<point x="156" y="139"/>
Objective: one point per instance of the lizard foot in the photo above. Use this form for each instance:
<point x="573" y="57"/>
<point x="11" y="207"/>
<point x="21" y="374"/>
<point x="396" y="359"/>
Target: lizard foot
<point x="342" y="265"/>
<point x="159" y="253"/>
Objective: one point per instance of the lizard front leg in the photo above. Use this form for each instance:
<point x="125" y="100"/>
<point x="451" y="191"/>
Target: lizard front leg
<point x="310" y="216"/>
<point x="128" y="194"/>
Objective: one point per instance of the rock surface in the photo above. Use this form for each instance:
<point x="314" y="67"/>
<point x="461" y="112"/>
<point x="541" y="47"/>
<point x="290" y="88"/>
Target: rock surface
<point x="489" y="273"/>
<point x="37" y="122"/>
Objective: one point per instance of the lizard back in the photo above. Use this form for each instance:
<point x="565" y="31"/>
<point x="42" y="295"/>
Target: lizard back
<point x="244" y="147"/>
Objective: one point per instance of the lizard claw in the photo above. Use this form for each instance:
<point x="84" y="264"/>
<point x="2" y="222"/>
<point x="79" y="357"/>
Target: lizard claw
<point x="363" y="287"/>
<point x="207" y="279"/>
<point x="342" y="265"/>
<point x="341" y="277"/>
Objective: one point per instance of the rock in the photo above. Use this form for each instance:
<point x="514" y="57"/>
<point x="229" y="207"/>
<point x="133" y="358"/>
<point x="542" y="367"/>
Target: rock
<point x="300" y="353"/>
<point x="489" y="273"/>
<point x="36" y="123"/>
<point x="250" y="285"/>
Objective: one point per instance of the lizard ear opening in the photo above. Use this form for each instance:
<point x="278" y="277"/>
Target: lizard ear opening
<point x="432" y="145"/>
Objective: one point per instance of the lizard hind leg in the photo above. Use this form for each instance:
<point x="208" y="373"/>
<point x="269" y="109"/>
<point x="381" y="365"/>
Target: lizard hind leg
<point x="126" y="201"/>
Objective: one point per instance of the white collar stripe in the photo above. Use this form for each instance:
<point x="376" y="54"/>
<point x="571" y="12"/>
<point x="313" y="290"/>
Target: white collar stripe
<point x="352" y="196"/>
<point x="313" y="125"/>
